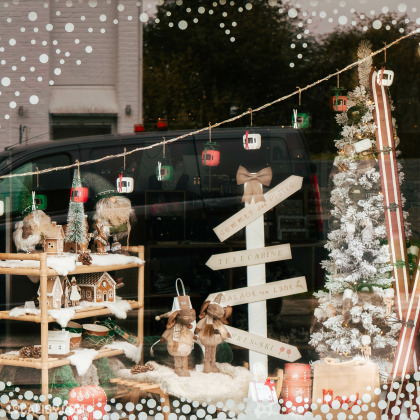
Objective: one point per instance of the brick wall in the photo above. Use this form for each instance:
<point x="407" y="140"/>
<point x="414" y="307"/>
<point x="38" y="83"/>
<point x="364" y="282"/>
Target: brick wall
<point x="109" y="28"/>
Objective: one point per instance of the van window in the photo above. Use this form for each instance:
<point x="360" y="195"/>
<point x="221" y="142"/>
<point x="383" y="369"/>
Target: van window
<point x="54" y="185"/>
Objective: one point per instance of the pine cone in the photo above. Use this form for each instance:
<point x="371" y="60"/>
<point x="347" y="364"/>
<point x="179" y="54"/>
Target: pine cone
<point x="30" y="351"/>
<point x="85" y="258"/>
<point x="36" y="352"/>
<point x="26" y="351"/>
<point x="141" y="368"/>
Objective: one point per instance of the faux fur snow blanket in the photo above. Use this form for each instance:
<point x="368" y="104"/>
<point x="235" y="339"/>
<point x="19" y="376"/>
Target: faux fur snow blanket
<point x="66" y="263"/>
<point x="230" y="384"/>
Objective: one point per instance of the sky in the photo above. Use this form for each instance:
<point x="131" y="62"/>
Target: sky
<point x="324" y="15"/>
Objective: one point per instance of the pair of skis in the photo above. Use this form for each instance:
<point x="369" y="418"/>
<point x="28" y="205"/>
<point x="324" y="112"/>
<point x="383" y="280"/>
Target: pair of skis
<point x="407" y="294"/>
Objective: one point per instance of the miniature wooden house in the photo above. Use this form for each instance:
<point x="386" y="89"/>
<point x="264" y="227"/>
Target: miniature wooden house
<point x="96" y="287"/>
<point x="54" y="240"/>
<point x="54" y="292"/>
<point x="251" y="141"/>
<point x="58" y="342"/>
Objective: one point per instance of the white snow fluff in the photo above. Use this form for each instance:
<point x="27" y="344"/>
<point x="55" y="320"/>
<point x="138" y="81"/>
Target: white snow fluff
<point x="82" y="359"/>
<point x="130" y="350"/>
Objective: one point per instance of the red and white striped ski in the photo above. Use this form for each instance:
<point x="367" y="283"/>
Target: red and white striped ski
<point x="407" y="296"/>
<point x="391" y="192"/>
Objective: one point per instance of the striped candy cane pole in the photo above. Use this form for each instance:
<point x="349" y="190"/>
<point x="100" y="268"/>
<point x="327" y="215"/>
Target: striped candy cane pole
<point x="407" y="297"/>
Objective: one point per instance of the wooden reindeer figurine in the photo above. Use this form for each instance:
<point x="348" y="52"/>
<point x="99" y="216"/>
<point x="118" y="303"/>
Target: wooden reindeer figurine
<point x="211" y="330"/>
<point x="179" y="337"/>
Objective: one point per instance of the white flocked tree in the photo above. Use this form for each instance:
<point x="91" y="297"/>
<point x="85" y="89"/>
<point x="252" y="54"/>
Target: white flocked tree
<point x="76" y="221"/>
<point x="356" y="314"/>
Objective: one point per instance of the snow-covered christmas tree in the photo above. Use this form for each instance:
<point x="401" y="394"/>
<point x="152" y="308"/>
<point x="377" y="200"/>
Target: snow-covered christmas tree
<point x="356" y="308"/>
<point x="76" y="230"/>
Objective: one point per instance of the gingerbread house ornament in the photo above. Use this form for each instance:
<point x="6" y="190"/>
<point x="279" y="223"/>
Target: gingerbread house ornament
<point x="54" y="293"/>
<point x="54" y="240"/>
<point x="96" y="287"/>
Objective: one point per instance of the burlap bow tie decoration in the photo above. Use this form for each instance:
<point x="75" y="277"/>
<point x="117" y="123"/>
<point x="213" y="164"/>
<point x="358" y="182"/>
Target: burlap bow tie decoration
<point x="253" y="188"/>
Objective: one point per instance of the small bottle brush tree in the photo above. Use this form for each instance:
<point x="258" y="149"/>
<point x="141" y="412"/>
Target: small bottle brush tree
<point x="357" y="300"/>
<point x="76" y="221"/>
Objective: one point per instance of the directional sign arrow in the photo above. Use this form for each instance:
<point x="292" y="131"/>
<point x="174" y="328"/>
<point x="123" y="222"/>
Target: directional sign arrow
<point x="263" y="345"/>
<point x="250" y="257"/>
<point x="260" y="292"/>
<point x="254" y="210"/>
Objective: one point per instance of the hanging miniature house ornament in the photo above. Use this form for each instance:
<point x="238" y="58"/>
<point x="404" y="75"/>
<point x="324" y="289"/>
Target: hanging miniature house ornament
<point x="210" y="156"/>
<point x="251" y="141"/>
<point x="125" y="184"/>
<point x="79" y="194"/>
<point x="385" y="77"/>
<point x="39" y="201"/>
<point x="164" y="169"/>
<point x="300" y="120"/>
<point x="338" y="102"/>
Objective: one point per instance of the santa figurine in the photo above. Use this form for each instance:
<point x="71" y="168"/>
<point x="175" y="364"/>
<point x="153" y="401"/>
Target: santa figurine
<point x="74" y="293"/>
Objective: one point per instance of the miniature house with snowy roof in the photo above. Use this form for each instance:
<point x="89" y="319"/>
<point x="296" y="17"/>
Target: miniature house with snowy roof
<point x="58" y="342"/>
<point x="54" y="240"/>
<point x="54" y="292"/>
<point x="96" y="287"/>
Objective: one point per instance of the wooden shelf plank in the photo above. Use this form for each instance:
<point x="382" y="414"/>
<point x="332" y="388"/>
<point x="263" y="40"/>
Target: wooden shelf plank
<point x="83" y="269"/>
<point x="82" y="313"/>
<point x="11" y="360"/>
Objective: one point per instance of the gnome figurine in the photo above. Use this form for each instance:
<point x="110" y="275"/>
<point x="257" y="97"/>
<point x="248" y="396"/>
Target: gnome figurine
<point x="179" y="337"/>
<point x="211" y="330"/>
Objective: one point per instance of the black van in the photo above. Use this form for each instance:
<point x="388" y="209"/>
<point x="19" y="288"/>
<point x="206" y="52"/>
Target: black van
<point x="176" y="216"/>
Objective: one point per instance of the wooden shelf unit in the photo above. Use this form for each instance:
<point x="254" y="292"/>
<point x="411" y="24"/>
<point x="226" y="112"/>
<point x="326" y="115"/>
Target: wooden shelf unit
<point x="43" y="272"/>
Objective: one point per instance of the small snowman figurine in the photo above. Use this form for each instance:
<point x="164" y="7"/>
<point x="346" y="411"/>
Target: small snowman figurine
<point x="74" y="293"/>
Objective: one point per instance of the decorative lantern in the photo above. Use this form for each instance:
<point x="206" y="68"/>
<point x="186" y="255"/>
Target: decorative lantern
<point x="125" y="184"/>
<point x="301" y="119"/>
<point x="251" y="141"/>
<point x="210" y="156"/>
<point x="87" y="402"/>
<point x="79" y="194"/>
<point x="1" y="207"/>
<point x="162" y="124"/>
<point x="338" y="102"/>
<point x="164" y="171"/>
<point x="385" y="77"/>
<point x="40" y="201"/>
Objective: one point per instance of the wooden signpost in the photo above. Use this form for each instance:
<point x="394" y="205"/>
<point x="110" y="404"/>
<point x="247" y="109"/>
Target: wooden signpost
<point x="264" y="291"/>
<point x="256" y="255"/>
<point x="253" y="211"/>
<point x="263" y="345"/>
<point x="249" y="257"/>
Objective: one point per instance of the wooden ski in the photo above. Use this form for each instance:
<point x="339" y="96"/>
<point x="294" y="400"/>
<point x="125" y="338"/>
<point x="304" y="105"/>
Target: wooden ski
<point x="407" y="296"/>
<point x="391" y="193"/>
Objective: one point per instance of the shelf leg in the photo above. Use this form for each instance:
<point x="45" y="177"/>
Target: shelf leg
<point x="140" y="298"/>
<point x="44" y="325"/>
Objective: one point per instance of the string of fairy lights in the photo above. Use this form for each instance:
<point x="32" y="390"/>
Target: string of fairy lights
<point x="250" y="111"/>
